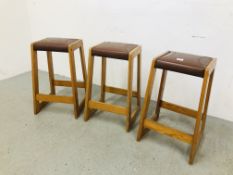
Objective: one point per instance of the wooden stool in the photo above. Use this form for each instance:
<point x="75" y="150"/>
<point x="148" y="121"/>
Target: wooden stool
<point x="187" y="64"/>
<point x="57" y="45"/>
<point x="119" y="51"/>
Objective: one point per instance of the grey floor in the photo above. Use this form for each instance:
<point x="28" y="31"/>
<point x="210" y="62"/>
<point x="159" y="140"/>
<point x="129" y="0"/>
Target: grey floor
<point x="53" y="142"/>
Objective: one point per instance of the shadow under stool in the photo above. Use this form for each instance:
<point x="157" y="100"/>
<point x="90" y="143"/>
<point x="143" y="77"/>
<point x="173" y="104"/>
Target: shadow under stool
<point x="65" y="45"/>
<point x="199" y="66"/>
<point x="124" y="52"/>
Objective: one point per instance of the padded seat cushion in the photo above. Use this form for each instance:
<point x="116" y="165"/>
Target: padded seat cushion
<point x="184" y="63"/>
<point x="113" y="50"/>
<point x="54" y="44"/>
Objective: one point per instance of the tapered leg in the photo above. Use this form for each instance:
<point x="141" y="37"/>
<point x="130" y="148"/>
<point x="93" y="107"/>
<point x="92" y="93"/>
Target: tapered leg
<point x="129" y="94"/>
<point x="146" y="103"/>
<point x="73" y="81"/>
<point x="160" y="95"/>
<point x="139" y="81"/>
<point x="89" y="86"/>
<point x="103" y="80"/>
<point x="83" y="64"/>
<point x="207" y="101"/>
<point x="51" y="72"/>
<point x="35" y="81"/>
<point x="197" y="132"/>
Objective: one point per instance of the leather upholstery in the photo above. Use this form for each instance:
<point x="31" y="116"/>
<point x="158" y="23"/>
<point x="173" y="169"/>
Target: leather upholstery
<point x="113" y="50"/>
<point x="184" y="63"/>
<point x="53" y="44"/>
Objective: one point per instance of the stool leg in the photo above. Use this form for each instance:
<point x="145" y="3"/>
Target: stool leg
<point x="103" y="80"/>
<point x="207" y="101"/>
<point x="35" y="81"/>
<point x="139" y="81"/>
<point x="89" y="86"/>
<point x="141" y="129"/>
<point x="83" y="64"/>
<point x="129" y="93"/>
<point x="160" y="95"/>
<point x="51" y="72"/>
<point x="197" y="132"/>
<point x="73" y="81"/>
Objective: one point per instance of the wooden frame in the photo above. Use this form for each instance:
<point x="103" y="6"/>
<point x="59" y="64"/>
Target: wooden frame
<point x="40" y="100"/>
<point x="200" y="115"/>
<point x="91" y="105"/>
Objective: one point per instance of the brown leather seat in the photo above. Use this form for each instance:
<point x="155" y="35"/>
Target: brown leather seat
<point x="113" y="50"/>
<point x="184" y="63"/>
<point x="54" y="44"/>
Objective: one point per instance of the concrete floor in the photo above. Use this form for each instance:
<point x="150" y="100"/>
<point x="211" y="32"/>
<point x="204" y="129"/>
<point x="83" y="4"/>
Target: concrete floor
<point x="53" y="142"/>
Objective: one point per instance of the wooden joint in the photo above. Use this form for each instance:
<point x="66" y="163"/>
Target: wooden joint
<point x="210" y="68"/>
<point x="75" y="45"/>
<point x="134" y="114"/>
<point x="158" y="56"/>
<point x="135" y="52"/>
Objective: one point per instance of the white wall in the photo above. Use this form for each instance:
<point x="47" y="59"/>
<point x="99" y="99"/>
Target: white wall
<point x="14" y="38"/>
<point x="195" y="26"/>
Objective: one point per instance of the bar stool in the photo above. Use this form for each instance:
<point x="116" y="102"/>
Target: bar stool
<point x="194" y="65"/>
<point x="58" y="45"/>
<point x="122" y="51"/>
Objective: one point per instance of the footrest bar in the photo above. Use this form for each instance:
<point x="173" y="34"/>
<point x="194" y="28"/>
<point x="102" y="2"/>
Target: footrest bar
<point x="162" y="129"/>
<point x="66" y="83"/>
<point x="179" y="109"/>
<point x="54" y="98"/>
<point x="118" y="91"/>
<point x="107" y="107"/>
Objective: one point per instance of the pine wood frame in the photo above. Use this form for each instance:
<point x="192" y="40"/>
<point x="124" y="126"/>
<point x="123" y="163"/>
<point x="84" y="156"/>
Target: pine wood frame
<point x="40" y="100"/>
<point x="91" y="106"/>
<point x="200" y="115"/>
